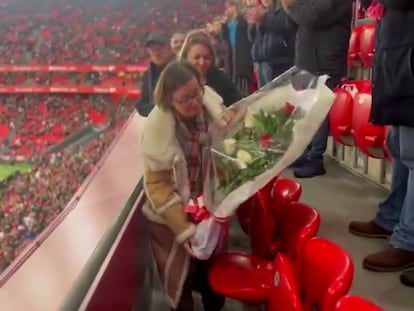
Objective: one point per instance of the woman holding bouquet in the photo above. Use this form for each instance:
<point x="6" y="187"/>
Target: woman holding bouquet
<point x="175" y="133"/>
<point x="199" y="52"/>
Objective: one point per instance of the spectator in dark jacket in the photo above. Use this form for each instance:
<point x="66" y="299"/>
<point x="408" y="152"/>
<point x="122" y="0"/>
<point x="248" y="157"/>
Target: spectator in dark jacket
<point x="159" y="50"/>
<point x="322" y="43"/>
<point x="393" y="104"/>
<point x="272" y="33"/>
<point x="234" y="32"/>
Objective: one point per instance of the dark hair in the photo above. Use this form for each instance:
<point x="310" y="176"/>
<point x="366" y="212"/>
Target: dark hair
<point x="197" y="37"/>
<point x="174" y="76"/>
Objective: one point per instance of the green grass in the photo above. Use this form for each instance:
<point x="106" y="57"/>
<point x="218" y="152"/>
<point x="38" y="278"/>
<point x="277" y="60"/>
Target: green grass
<point x="7" y="169"/>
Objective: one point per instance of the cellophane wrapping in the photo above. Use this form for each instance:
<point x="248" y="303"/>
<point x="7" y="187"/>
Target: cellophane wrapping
<point x="269" y="131"/>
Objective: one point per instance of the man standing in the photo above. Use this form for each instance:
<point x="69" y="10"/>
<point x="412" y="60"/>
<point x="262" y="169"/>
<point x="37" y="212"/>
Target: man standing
<point x="234" y="32"/>
<point x="159" y="50"/>
<point x="322" y="43"/>
<point x="272" y="33"/>
<point x="393" y="104"/>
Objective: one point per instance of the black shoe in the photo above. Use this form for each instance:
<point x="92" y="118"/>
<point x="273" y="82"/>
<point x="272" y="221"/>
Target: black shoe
<point x="299" y="162"/>
<point x="407" y="278"/>
<point x="310" y="169"/>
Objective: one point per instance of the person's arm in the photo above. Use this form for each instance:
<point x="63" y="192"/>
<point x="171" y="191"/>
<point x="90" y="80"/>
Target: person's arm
<point x="228" y="90"/>
<point x="224" y="32"/>
<point x="316" y="12"/>
<point x="144" y="104"/>
<point x="166" y="202"/>
<point x="251" y="32"/>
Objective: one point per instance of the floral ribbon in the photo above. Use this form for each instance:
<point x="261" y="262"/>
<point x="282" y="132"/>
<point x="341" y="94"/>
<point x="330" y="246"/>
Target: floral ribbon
<point x="199" y="212"/>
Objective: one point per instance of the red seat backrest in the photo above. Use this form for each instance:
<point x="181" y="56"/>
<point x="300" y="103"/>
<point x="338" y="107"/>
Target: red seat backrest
<point x="367" y="44"/>
<point x="366" y="135"/>
<point x="327" y="273"/>
<point x="355" y="303"/>
<point x="284" y="294"/>
<point x="284" y="192"/>
<point x="297" y="225"/>
<point x="354" y="49"/>
<point x="340" y="117"/>
<point x="262" y="197"/>
<point x="262" y="226"/>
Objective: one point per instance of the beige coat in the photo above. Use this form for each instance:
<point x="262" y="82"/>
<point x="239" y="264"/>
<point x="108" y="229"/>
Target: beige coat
<point x="167" y="189"/>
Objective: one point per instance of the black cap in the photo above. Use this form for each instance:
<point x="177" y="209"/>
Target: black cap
<point x="157" y="38"/>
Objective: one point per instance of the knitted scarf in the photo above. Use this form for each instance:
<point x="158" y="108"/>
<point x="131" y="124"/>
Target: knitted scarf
<point x="193" y="136"/>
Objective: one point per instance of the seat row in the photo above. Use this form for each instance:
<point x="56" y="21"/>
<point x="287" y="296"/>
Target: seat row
<point x="288" y="268"/>
<point x="362" y="46"/>
<point x="349" y="120"/>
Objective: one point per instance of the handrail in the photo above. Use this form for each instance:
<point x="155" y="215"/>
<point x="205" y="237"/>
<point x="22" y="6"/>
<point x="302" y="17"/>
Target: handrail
<point x="87" y="276"/>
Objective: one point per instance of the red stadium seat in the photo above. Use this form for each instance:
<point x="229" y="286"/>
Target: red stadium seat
<point x="340" y="117"/>
<point x="354" y="47"/>
<point x="327" y="275"/>
<point x="368" y="138"/>
<point x="298" y="224"/>
<point x="367" y="44"/>
<point x="284" y="192"/>
<point x="355" y="303"/>
<point x="262" y="197"/>
<point x="284" y="292"/>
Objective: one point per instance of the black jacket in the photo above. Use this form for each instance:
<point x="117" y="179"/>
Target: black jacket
<point x="393" y="69"/>
<point x="144" y="104"/>
<point x="274" y="39"/>
<point x="222" y="84"/>
<point x="241" y="61"/>
<point x="322" y="39"/>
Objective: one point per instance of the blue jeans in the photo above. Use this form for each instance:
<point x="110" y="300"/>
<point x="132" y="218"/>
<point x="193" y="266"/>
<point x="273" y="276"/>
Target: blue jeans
<point x="396" y="213"/>
<point x="316" y="149"/>
<point x="263" y="73"/>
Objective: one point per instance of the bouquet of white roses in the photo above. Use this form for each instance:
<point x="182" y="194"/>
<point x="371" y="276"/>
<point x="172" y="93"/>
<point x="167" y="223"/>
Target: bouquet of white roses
<point x="270" y="129"/>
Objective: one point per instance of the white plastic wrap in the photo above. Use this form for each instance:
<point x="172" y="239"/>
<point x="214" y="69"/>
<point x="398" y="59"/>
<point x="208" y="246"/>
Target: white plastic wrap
<point x="270" y="130"/>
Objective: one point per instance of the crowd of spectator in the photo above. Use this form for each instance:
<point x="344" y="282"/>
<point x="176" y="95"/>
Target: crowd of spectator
<point x="68" y="33"/>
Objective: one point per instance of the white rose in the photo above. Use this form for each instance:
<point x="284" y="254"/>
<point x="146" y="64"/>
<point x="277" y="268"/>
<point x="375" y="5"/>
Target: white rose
<point x="229" y="146"/>
<point x="241" y="164"/>
<point x="244" y="156"/>
<point x="249" y="120"/>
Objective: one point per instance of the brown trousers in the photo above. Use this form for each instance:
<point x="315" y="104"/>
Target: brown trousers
<point x="197" y="280"/>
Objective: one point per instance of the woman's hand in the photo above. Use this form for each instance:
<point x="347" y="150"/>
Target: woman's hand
<point x="188" y="248"/>
<point x="233" y="116"/>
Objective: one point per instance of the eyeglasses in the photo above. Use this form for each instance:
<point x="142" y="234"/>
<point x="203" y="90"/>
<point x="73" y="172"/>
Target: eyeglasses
<point x="190" y="99"/>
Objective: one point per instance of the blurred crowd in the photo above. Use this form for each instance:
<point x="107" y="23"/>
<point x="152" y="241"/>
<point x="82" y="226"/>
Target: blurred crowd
<point x="63" y="32"/>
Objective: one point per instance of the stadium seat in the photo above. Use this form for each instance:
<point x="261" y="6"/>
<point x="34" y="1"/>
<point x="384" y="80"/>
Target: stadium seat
<point x="367" y="44"/>
<point x="368" y="138"/>
<point x="340" y="117"/>
<point x="262" y="197"/>
<point x="354" y="48"/>
<point x="327" y="272"/>
<point x="386" y="151"/>
<point x="355" y="303"/>
<point x="298" y="224"/>
<point x="284" y="292"/>
<point x="356" y="86"/>
<point x="285" y="191"/>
